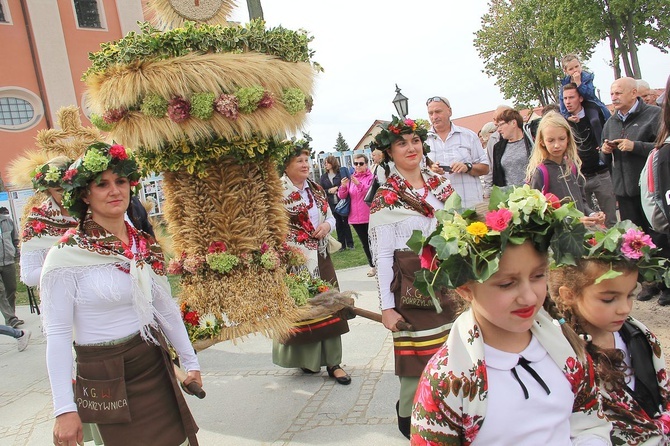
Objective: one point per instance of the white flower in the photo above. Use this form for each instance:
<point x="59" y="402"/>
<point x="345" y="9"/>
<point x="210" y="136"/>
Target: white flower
<point x="208" y="321"/>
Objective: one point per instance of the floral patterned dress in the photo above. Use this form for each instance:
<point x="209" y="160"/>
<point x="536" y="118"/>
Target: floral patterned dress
<point x="631" y="423"/>
<point x="451" y="402"/>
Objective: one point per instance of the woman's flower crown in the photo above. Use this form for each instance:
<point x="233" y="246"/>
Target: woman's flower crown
<point x="296" y="148"/>
<point x="47" y="175"/>
<point x="464" y="248"/>
<point x="626" y="244"/>
<point x="97" y="158"/>
<point x="392" y="131"/>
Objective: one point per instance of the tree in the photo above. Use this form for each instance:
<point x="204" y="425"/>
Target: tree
<point x="625" y="24"/>
<point x="519" y="52"/>
<point x="340" y="144"/>
<point x="255" y="9"/>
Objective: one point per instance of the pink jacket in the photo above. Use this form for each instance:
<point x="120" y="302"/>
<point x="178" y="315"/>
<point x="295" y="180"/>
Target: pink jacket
<point x="360" y="211"/>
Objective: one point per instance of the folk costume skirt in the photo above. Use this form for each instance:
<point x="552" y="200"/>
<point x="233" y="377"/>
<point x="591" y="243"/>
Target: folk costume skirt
<point x="159" y="414"/>
<point x="316" y="342"/>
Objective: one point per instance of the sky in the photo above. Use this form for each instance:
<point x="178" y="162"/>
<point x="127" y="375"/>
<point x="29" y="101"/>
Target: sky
<point x="366" y="47"/>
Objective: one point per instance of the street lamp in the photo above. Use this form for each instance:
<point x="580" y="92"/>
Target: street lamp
<point x="400" y="103"/>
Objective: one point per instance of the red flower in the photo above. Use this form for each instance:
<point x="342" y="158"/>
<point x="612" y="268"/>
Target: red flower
<point x="433" y="182"/>
<point x="295" y="196"/>
<point x="157" y="265"/>
<point x="267" y="100"/>
<point x="192" y="318"/>
<point x="38" y="226"/>
<point x="390" y="197"/>
<point x="498" y="220"/>
<point x="217" y="247"/>
<point x="118" y="152"/>
<point x="264" y="248"/>
<point x="428" y="258"/>
<point x="394" y="129"/>
<point x="134" y="183"/>
<point x="69" y="175"/>
<point x="553" y="200"/>
<point x="592" y="241"/>
<point x="38" y="175"/>
<point x="302" y="237"/>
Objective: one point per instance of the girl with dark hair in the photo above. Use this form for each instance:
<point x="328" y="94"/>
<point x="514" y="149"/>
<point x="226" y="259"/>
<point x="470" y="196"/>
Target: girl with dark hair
<point x="330" y="181"/>
<point x="596" y="296"/>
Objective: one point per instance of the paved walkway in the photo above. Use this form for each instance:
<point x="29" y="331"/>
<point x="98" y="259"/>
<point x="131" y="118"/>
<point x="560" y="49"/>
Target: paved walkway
<point x="250" y="401"/>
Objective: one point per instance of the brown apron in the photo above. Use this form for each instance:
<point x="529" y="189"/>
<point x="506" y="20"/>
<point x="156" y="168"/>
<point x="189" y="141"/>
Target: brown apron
<point x="316" y="330"/>
<point x="413" y="349"/>
<point x="159" y="414"/>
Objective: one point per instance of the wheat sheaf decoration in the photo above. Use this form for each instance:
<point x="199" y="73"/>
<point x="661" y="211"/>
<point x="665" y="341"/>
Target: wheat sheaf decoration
<point x="208" y="104"/>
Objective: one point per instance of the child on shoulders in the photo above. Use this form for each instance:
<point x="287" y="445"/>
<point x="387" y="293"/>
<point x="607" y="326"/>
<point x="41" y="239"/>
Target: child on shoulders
<point x="574" y="72"/>
<point x="596" y="297"/>
<point x="554" y="166"/>
<point x="510" y="372"/>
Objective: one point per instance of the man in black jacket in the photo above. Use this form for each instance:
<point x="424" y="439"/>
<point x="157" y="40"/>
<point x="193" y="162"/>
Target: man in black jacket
<point x="587" y="121"/>
<point x="629" y="135"/>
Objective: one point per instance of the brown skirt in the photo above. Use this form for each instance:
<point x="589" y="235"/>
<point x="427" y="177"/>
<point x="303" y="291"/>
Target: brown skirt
<point x="158" y="412"/>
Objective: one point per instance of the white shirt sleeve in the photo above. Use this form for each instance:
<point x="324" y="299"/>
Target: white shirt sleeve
<point x="384" y="247"/>
<point x="31" y="266"/>
<point x="60" y="314"/>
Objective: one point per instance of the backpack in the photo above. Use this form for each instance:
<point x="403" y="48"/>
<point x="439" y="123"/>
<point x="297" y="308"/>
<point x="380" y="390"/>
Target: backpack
<point x="650" y="197"/>
<point x="545" y="176"/>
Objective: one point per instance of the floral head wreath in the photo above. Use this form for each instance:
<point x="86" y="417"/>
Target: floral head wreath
<point x="97" y="158"/>
<point x="626" y="244"/>
<point x="393" y="131"/>
<point x="296" y="148"/>
<point x="464" y="248"/>
<point x="49" y="175"/>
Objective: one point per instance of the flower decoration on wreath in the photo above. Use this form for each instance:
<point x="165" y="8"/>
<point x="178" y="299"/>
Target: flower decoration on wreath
<point x="392" y="131"/>
<point x="46" y="176"/>
<point x="302" y="286"/>
<point x="625" y="243"/>
<point x="97" y="158"/>
<point x="466" y="246"/>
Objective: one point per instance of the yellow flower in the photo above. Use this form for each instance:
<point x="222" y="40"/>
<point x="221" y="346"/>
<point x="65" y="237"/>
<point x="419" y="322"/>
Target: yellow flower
<point x="477" y="230"/>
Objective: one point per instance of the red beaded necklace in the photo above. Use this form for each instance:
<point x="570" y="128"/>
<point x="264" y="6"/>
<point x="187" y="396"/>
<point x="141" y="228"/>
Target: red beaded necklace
<point x="425" y="190"/>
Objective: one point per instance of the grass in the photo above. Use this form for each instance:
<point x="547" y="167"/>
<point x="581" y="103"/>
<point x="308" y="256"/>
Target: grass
<point x="342" y="260"/>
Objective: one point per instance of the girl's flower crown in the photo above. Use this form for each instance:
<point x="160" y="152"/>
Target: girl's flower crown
<point x="392" y="131"/>
<point x="48" y="175"/>
<point x="626" y="244"/>
<point x="97" y="158"/>
<point x="466" y="247"/>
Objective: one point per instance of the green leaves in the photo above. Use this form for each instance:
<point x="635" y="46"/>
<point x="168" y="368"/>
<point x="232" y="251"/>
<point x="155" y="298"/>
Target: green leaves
<point x="152" y="44"/>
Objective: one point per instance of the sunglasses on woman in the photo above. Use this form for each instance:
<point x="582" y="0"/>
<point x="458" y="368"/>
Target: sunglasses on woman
<point x="362" y="163"/>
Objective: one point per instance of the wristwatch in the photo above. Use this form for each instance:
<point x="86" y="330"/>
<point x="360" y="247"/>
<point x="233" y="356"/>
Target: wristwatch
<point x="469" y="166"/>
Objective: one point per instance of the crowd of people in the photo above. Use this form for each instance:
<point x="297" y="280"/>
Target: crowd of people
<point x="487" y="312"/>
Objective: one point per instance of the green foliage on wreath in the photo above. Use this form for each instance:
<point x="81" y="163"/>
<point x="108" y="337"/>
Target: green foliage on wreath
<point x="100" y="123"/>
<point x="202" y="105"/>
<point x="249" y="97"/>
<point x="293" y="100"/>
<point x="194" y="156"/>
<point x="153" y="44"/>
<point x="154" y="105"/>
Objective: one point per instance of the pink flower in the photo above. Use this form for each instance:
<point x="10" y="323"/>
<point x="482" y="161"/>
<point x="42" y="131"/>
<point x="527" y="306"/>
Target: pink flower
<point x="215" y="247"/>
<point x="175" y="267"/>
<point x="227" y="105"/>
<point x="264" y="248"/>
<point x="118" y="152"/>
<point x="66" y="236"/>
<point x="634" y="241"/>
<point x="498" y="220"/>
<point x="592" y="241"/>
<point x="553" y="200"/>
<point x="428" y="258"/>
<point x="267" y="100"/>
<point x="179" y="109"/>
<point x="114" y="115"/>
<point x="390" y="197"/>
<point x="424" y="397"/>
<point x="69" y="175"/>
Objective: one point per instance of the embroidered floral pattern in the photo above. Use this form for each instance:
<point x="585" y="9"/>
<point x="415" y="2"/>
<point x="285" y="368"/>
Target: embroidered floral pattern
<point x="396" y="193"/>
<point x="46" y="220"/>
<point x="300" y="226"/>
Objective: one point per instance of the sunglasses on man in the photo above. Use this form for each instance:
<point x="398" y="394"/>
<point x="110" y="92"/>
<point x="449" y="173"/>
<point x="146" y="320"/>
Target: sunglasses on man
<point x="438" y="99"/>
<point x="356" y="163"/>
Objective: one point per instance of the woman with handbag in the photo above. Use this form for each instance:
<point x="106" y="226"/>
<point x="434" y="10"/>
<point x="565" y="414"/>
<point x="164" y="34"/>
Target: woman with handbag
<point x="314" y="343"/>
<point x="356" y="190"/>
<point x="330" y="181"/>
<point x="405" y="203"/>
<point x="104" y="287"/>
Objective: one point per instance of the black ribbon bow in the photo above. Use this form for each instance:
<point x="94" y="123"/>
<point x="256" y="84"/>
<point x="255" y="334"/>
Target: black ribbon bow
<point x="525" y="364"/>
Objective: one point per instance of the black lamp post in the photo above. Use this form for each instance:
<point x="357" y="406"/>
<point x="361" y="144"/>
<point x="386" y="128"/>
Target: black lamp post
<point x="400" y="102"/>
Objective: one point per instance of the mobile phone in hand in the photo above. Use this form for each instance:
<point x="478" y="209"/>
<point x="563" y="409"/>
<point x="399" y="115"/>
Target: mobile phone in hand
<point x="447" y="169"/>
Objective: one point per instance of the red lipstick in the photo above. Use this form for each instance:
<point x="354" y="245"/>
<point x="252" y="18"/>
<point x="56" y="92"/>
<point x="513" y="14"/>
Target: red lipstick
<point x="524" y="312"/>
